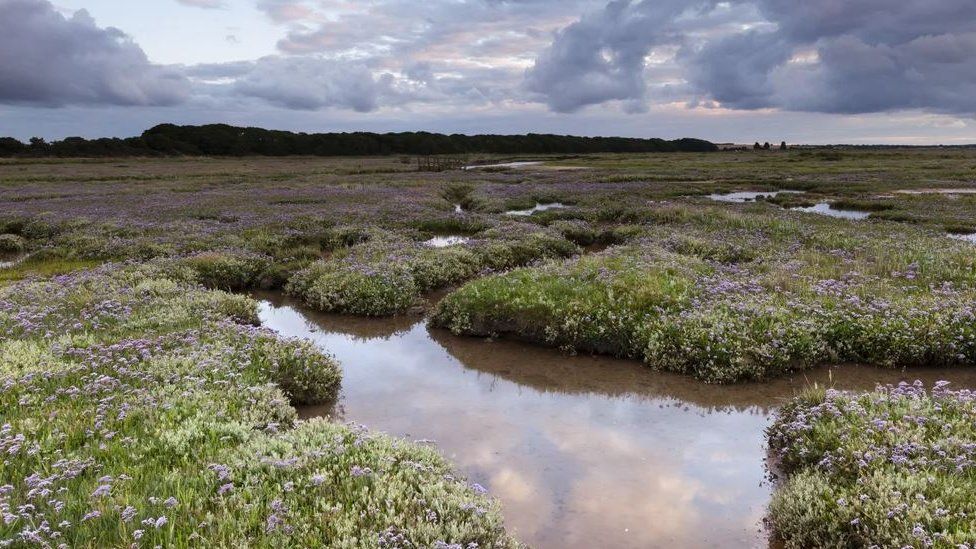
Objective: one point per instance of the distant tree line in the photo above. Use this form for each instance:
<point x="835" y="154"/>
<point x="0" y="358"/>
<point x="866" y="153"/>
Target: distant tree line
<point x="224" y="140"/>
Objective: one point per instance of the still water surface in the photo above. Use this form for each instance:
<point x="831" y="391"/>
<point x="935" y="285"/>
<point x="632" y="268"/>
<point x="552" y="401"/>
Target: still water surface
<point x="748" y="196"/>
<point x="581" y="451"/>
<point x="8" y="260"/>
<point x="970" y="237"/>
<point x="503" y="165"/>
<point x="445" y="241"/>
<point x="537" y="208"/>
<point x="825" y="208"/>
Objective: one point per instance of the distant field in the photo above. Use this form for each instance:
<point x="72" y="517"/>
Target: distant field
<point x="122" y="279"/>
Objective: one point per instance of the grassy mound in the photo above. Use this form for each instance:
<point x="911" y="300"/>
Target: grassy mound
<point x="389" y="273"/>
<point x="889" y="468"/>
<point x="729" y="297"/>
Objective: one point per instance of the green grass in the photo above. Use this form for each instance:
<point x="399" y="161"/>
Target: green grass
<point x="141" y="408"/>
<point x="43" y="268"/>
<point x="745" y="296"/>
<point x="389" y="274"/>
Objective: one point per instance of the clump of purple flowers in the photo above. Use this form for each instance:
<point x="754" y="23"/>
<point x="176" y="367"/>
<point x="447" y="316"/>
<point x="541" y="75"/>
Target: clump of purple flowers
<point x="899" y="463"/>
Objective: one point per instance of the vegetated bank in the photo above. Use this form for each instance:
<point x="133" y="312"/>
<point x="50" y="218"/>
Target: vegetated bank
<point x="888" y="468"/>
<point x="225" y="140"/>
<point x="141" y="409"/>
<point x="729" y="295"/>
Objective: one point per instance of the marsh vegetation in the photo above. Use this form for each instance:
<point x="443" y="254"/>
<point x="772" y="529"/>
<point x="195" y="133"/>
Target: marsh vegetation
<point x="143" y="402"/>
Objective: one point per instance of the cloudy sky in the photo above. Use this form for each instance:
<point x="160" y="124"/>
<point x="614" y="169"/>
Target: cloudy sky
<point x="816" y="71"/>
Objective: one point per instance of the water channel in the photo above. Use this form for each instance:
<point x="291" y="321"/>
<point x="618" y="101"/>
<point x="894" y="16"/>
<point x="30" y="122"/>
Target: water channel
<point x="581" y="451"/>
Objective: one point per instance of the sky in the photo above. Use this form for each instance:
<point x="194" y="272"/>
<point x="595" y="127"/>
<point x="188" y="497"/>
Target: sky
<point x="817" y="71"/>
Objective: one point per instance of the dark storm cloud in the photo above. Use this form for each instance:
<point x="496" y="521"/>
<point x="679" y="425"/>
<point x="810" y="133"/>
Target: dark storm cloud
<point x="867" y="56"/>
<point x="736" y="70"/>
<point x="833" y="56"/>
<point x="51" y="60"/>
<point x="601" y="57"/>
<point x="873" y="21"/>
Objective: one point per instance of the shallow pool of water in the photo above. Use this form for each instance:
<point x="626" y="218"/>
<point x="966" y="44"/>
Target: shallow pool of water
<point x="962" y="190"/>
<point x="967" y="237"/>
<point x="581" y="451"/>
<point x="537" y="208"/>
<point x="748" y="196"/>
<point x="503" y="165"/>
<point x="824" y="208"/>
<point x="446" y="240"/>
<point x="10" y="260"/>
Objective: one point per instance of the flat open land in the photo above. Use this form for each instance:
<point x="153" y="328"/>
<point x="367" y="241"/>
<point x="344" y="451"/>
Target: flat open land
<point x="671" y="349"/>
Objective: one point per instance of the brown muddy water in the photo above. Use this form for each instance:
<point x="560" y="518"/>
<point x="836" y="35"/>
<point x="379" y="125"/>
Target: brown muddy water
<point x="581" y="451"/>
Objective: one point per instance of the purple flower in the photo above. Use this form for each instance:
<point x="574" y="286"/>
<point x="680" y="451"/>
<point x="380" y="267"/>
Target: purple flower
<point x="358" y="471"/>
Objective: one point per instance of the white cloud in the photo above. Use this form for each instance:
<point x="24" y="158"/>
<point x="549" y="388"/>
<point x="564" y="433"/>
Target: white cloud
<point x="206" y="4"/>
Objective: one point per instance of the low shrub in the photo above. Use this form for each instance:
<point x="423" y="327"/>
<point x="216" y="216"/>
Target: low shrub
<point x="11" y="243"/>
<point x="304" y="374"/>
<point x="576" y="231"/>
<point x="380" y="289"/>
<point x="451" y="224"/>
<point x="888" y="468"/>
<point x="732" y="304"/>
<point x="711" y="250"/>
<point x="863" y="205"/>
<point x="440" y="267"/>
<point x="226" y="270"/>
